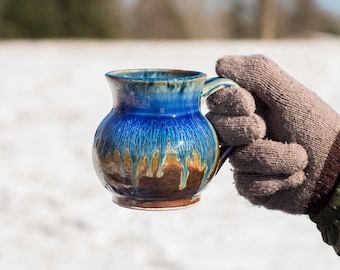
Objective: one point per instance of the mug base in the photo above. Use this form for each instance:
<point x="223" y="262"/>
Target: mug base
<point x="154" y="204"/>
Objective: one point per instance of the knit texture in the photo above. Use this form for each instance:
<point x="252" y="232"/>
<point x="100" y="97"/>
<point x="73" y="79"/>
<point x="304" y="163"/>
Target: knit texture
<point x="288" y="144"/>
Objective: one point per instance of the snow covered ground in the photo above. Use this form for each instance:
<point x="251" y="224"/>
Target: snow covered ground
<point x="55" y="214"/>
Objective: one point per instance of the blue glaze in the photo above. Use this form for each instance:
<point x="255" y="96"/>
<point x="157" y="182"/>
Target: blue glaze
<point x="143" y="136"/>
<point x="157" y="113"/>
<point x="156" y="92"/>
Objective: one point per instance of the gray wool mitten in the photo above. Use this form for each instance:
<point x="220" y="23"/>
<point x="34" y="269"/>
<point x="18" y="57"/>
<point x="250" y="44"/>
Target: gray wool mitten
<point x="287" y="154"/>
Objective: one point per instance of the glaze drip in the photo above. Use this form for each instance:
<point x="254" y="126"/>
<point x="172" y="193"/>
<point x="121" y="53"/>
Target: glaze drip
<point x="146" y="137"/>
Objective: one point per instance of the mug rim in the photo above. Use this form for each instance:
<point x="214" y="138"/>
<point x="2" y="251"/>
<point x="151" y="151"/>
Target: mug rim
<point x="178" y="75"/>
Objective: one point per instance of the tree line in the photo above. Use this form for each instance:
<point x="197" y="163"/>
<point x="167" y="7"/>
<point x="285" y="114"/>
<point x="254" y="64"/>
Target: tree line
<point x="164" y="19"/>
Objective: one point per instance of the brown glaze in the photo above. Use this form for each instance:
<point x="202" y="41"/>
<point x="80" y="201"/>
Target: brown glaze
<point x="148" y="189"/>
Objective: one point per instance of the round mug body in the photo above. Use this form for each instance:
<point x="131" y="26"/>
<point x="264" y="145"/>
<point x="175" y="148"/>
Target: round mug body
<point x="155" y="149"/>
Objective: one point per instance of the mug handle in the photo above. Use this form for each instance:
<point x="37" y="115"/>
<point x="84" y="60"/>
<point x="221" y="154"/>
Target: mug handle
<point x="211" y="86"/>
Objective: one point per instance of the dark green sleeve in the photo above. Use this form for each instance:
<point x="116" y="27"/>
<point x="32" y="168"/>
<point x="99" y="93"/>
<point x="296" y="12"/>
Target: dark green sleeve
<point x="328" y="221"/>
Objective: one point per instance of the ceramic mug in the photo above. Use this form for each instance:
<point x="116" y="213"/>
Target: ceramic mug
<point x="155" y="149"/>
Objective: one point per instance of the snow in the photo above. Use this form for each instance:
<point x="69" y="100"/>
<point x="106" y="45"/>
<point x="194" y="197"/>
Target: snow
<point x="55" y="214"/>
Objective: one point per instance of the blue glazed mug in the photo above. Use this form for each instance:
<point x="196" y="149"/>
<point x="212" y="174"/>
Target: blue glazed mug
<point x="155" y="149"/>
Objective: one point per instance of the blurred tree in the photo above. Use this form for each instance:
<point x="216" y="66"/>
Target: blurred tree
<point x="164" y="19"/>
<point x="268" y="18"/>
<point x="59" y="18"/>
<point x="302" y="16"/>
<point x="157" y="20"/>
<point x="21" y="18"/>
<point x="242" y="20"/>
<point x="275" y="19"/>
<point x="305" y="18"/>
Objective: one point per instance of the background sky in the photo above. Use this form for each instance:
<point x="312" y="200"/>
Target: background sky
<point x="330" y="5"/>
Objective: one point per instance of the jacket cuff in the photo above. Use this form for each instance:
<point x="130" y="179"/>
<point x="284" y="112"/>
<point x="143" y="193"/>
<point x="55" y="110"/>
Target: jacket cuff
<point x="328" y="220"/>
<point x="329" y="179"/>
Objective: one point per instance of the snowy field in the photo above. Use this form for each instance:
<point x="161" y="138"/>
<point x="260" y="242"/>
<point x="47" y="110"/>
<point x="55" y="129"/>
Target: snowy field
<point x="55" y="214"/>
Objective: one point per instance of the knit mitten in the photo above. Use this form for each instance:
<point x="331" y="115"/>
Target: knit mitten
<point x="287" y="154"/>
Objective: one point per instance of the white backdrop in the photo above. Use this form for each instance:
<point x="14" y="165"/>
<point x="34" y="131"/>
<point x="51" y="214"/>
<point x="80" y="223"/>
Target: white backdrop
<point x="54" y="213"/>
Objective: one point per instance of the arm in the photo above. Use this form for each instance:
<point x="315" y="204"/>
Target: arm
<point x="287" y="141"/>
<point x="328" y="221"/>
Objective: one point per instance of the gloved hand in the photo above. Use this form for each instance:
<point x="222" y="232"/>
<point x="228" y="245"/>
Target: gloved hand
<point x="287" y="154"/>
